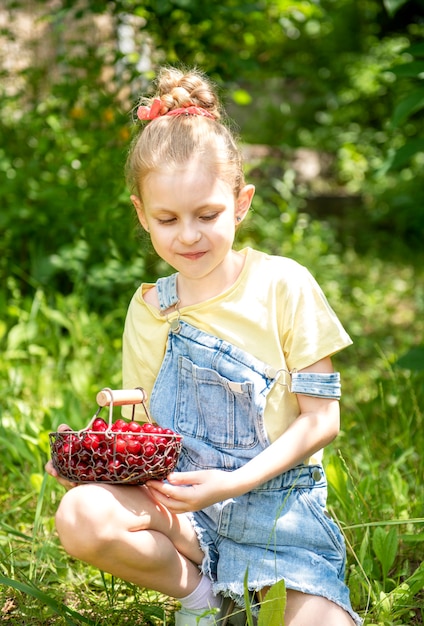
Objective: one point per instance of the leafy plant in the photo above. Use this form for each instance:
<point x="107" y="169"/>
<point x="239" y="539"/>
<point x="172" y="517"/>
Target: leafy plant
<point x="273" y="606"/>
<point x="385" y="545"/>
<point x="71" y="617"/>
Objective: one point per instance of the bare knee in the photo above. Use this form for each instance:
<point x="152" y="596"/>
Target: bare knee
<point x="83" y="520"/>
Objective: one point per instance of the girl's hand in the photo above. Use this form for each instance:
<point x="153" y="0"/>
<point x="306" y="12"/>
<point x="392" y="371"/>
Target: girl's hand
<point x="51" y="470"/>
<point x="191" y="491"/>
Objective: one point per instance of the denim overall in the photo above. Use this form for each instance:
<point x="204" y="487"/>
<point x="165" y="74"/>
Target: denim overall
<point x="214" y="394"/>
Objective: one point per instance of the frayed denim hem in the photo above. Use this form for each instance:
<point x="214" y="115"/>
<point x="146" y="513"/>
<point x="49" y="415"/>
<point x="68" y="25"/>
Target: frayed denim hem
<point x="236" y="592"/>
<point x="205" y="566"/>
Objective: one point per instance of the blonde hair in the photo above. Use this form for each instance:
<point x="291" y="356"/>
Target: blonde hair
<point x="171" y="141"/>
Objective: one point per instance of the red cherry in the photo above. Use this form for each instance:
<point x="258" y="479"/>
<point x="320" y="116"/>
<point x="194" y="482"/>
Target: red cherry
<point x="169" y="460"/>
<point x="147" y="427"/>
<point x="85" y="457"/>
<point x="119" y="426"/>
<point x="91" y="441"/>
<point x="115" y="466"/>
<point x="76" y="445"/>
<point x="132" y="460"/>
<point x="149" y="449"/>
<point x="90" y="475"/>
<point x="134" y="446"/>
<point x="99" y="468"/>
<point x="103" y="446"/>
<point x="70" y="443"/>
<point x="73" y="463"/>
<point x="99" y="425"/>
<point x="65" y="449"/>
<point x="162" y="443"/>
<point x="134" y="427"/>
<point x="120" y="445"/>
<point x="82" y="470"/>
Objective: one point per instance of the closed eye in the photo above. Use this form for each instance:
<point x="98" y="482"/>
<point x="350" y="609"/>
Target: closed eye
<point x="169" y="220"/>
<point x="209" y="217"/>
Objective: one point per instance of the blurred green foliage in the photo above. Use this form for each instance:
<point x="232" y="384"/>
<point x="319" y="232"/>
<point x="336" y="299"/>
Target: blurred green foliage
<point x="341" y="78"/>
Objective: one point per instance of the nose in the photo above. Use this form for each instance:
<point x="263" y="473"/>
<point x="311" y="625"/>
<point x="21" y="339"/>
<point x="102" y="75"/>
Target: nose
<point x="189" y="233"/>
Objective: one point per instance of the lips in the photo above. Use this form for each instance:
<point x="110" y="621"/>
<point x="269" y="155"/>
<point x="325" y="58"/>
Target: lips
<point x="192" y="256"/>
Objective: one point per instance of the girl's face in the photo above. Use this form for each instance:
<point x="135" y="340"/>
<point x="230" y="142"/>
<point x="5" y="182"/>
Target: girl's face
<point x="191" y="216"/>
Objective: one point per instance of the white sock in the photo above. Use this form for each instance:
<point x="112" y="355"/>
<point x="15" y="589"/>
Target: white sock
<point x="202" y="597"/>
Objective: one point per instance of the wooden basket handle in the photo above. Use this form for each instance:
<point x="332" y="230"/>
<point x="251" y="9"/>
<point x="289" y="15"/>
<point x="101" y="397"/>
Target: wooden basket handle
<point x="119" y="397"/>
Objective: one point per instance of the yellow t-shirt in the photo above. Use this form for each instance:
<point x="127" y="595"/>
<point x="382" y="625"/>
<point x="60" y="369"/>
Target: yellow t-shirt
<point x="275" y="311"/>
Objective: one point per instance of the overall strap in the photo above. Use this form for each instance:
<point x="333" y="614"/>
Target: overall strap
<point x="166" y="288"/>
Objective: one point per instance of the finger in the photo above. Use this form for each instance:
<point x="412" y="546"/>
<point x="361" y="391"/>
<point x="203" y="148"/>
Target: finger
<point x="177" y="508"/>
<point x="171" y="504"/>
<point x="174" y="506"/>
<point x="50" y="469"/>
<point x="184" y="478"/>
<point x="161" y="488"/>
<point x="65" y="482"/>
<point x="167" y="494"/>
<point x="63" y="428"/>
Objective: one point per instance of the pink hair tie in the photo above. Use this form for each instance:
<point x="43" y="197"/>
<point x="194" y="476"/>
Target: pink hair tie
<point x="150" y="113"/>
<point x="191" y="110"/>
<point x="154" y="111"/>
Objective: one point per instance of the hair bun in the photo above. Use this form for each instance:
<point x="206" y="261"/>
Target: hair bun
<point x="180" y="94"/>
<point x="177" y="89"/>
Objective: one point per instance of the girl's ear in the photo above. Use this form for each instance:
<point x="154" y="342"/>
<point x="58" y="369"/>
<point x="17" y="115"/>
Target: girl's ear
<point x="243" y="202"/>
<point x="140" y="211"/>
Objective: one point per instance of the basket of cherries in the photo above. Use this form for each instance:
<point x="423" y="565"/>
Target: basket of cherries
<point x="120" y="451"/>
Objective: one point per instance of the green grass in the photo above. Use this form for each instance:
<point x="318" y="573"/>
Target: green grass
<point x="57" y="355"/>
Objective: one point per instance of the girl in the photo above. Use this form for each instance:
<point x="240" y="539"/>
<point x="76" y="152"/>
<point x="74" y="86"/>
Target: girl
<point x="234" y="350"/>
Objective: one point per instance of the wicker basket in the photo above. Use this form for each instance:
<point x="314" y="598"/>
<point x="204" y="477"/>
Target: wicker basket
<point x="120" y="452"/>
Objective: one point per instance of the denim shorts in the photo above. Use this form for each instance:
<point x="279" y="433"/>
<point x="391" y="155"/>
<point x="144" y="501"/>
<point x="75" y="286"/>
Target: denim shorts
<point x="214" y="394"/>
<point x="279" y="531"/>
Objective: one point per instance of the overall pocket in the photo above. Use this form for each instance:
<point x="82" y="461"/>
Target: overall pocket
<point x="214" y="409"/>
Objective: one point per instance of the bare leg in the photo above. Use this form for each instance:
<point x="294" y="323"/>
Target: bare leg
<point x="307" y="610"/>
<point x="123" y="531"/>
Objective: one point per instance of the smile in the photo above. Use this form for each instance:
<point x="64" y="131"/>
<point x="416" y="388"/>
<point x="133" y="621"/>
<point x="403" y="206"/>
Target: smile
<point x="193" y="256"/>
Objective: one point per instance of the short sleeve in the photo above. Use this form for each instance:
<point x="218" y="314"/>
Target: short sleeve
<point x="310" y="329"/>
